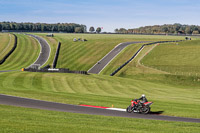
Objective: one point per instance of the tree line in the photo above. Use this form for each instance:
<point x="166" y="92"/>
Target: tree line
<point x="43" y="27"/>
<point x="163" y="29"/>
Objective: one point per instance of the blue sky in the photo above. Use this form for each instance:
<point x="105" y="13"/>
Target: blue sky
<point x="109" y="14"/>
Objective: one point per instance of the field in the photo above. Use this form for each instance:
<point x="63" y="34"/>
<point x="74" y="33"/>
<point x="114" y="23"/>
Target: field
<point x="171" y="92"/>
<point x="100" y="90"/>
<point x="181" y="59"/>
<point x="20" y="121"/>
<point x="83" y="55"/>
<point x="24" y="55"/>
<point x="6" y="44"/>
<point x="180" y="69"/>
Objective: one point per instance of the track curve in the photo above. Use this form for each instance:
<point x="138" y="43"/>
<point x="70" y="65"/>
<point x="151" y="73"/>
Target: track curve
<point x="100" y="65"/>
<point x="44" y="53"/>
<point x="45" y="105"/>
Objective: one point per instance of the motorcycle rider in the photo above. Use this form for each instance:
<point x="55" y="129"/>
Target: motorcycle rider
<point x="140" y="101"/>
<point x="143" y="99"/>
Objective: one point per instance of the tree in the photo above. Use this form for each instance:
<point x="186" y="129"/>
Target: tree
<point x="188" y="30"/>
<point x="0" y="27"/>
<point x="177" y="27"/>
<point x="67" y="27"/>
<point x="195" y="32"/>
<point x="122" y="30"/>
<point x="84" y="28"/>
<point x="91" y="29"/>
<point x="165" y="29"/>
<point x="98" y="30"/>
<point x="116" y="31"/>
<point x="79" y="30"/>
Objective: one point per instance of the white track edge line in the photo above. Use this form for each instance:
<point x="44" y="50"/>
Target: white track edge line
<point x="117" y="109"/>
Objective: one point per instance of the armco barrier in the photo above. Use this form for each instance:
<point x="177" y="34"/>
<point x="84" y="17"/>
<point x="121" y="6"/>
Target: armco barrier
<point x="117" y="70"/>
<point x="56" y="56"/>
<point x="10" y="52"/>
<point x="59" y="70"/>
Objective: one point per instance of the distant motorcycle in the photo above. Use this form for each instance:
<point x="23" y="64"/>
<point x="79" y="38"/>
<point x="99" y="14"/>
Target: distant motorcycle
<point x="138" y="107"/>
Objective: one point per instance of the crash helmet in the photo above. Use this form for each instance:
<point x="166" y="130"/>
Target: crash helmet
<point x="143" y="95"/>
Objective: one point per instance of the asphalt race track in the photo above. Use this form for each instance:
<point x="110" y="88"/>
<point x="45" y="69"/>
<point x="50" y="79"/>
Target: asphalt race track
<point x="45" y="51"/>
<point x="9" y="71"/>
<point x="100" y="65"/>
<point x="38" y="104"/>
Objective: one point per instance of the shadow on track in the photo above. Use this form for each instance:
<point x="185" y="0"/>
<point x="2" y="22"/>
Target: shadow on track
<point x="156" y="112"/>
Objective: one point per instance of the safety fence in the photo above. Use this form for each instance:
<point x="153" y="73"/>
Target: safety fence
<point x="56" y="55"/>
<point x="123" y="65"/>
<point x="10" y="52"/>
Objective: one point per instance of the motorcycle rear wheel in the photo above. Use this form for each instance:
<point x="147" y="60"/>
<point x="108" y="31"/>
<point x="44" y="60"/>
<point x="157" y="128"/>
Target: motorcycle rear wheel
<point x="147" y="110"/>
<point x="129" y="109"/>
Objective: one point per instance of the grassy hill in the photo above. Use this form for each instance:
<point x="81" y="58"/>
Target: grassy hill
<point x="176" y="95"/>
<point x="5" y="38"/>
<point x="6" y="43"/>
<point x="168" y="63"/>
<point x="181" y="59"/>
<point x="24" y="55"/>
<point x="101" y="90"/>
<point x="83" y="55"/>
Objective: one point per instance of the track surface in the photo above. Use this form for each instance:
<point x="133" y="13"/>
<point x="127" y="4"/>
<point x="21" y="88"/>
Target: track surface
<point x="45" y="51"/>
<point x="100" y="65"/>
<point x="9" y="71"/>
<point x="31" y="103"/>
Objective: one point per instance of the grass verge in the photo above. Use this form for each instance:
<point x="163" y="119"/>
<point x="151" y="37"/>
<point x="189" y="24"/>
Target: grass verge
<point x="6" y="44"/>
<point x="19" y="120"/>
<point x="101" y="90"/>
<point x="24" y="55"/>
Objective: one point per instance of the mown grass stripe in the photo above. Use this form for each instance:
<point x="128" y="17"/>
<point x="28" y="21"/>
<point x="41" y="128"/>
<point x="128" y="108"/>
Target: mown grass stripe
<point x="4" y="42"/>
<point x="24" y="55"/>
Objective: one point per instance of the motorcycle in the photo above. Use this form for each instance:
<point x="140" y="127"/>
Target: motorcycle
<point x="138" y="107"/>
